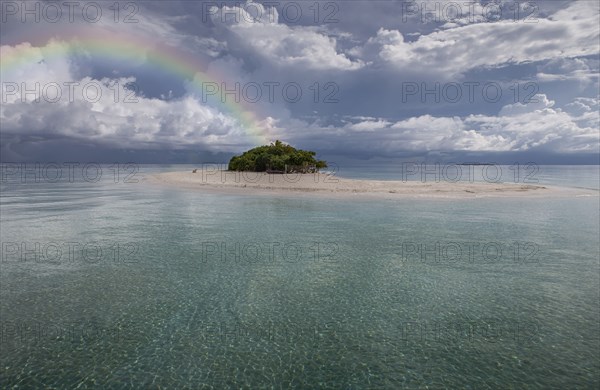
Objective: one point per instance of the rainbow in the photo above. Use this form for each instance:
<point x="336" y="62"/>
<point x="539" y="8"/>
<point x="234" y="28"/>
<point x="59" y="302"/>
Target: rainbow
<point x="134" y="48"/>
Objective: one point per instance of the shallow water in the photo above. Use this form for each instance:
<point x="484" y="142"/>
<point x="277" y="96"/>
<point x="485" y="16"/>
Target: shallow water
<point x="115" y="284"/>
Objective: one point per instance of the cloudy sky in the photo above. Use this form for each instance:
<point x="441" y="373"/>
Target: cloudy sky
<point x="190" y="81"/>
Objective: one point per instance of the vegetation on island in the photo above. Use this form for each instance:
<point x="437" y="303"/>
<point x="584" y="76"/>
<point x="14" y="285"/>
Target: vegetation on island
<point x="277" y="157"/>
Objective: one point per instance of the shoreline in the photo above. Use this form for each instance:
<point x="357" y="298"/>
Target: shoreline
<point x="319" y="184"/>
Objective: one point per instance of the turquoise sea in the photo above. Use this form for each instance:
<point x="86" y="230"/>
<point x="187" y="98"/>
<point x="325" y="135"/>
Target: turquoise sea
<point x="117" y="283"/>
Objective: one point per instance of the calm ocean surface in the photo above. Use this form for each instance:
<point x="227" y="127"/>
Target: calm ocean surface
<point x="116" y="284"/>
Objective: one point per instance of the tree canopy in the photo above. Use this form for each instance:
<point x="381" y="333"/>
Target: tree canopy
<point x="277" y="157"/>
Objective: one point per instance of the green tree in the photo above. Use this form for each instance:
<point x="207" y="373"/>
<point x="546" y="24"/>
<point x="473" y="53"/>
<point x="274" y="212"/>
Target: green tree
<point x="276" y="156"/>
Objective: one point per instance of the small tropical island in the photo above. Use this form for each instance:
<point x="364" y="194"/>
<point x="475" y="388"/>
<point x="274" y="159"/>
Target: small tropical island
<point x="278" y="157"/>
<point x="255" y="169"/>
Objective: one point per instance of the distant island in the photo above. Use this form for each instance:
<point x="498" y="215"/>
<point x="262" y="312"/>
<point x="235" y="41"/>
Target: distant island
<point x="278" y="157"/>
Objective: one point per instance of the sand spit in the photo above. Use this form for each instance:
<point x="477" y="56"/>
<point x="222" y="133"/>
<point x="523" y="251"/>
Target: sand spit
<point x="323" y="184"/>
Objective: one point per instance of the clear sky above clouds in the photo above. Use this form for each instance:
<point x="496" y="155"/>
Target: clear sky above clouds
<point x="190" y="81"/>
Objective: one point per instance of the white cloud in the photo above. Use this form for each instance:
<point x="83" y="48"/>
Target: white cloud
<point x="37" y="64"/>
<point x="368" y="125"/>
<point x="301" y="46"/>
<point x="105" y="110"/>
<point x="572" y="32"/>
<point x="518" y="127"/>
<point x="536" y="103"/>
<point x="583" y="70"/>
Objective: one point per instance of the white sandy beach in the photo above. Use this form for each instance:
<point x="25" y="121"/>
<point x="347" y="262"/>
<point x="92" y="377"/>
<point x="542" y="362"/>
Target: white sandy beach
<point x="323" y="184"/>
